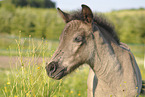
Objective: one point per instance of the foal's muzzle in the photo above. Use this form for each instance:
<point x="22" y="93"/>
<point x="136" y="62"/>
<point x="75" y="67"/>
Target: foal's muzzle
<point x="55" y="71"/>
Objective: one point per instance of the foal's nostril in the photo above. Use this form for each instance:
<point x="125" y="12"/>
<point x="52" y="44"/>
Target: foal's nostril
<point x="52" y="67"/>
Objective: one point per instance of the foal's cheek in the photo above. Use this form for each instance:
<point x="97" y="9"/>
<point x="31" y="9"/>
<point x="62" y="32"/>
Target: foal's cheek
<point x="74" y="48"/>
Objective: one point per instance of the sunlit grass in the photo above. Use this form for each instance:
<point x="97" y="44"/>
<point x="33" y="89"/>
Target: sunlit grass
<point x="28" y="78"/>
<point x="9" y="46"/>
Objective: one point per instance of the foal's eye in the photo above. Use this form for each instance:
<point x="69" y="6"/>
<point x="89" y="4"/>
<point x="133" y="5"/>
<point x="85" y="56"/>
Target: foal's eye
<point x="78" y="39"/>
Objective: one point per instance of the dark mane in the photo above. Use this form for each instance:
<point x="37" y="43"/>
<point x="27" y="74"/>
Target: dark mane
<point x="100" y="20"/>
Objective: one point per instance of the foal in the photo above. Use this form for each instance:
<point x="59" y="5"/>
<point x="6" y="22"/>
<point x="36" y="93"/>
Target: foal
<point x="90" y="39"/>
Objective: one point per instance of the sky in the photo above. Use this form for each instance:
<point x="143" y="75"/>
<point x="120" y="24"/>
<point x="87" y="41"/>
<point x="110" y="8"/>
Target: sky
<point x="100" y="5"/>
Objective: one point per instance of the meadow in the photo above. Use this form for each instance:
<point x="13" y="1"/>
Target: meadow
<point x="27" y="78"/>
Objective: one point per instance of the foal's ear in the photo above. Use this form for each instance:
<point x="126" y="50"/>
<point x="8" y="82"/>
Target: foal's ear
<point x="87" y="13"/>
<point x="65" y="16"/>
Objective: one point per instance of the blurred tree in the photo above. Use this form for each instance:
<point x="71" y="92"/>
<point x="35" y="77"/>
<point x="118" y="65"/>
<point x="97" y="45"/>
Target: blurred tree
<point x="35" y="3"/>
<point x="49" y="4"/>
<point x="0" y="3"/>
<point x="20" y="2"/>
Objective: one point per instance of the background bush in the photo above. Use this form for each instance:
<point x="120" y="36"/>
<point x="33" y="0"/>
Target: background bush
<point x="129" y="24"/>
<point x="30" y="21"/>
<point x="46" y="23"/>
<point x="31" y="3"/>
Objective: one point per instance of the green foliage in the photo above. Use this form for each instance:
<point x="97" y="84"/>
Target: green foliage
<point x="30" y="21"/>
<point x="32" y="3"/>
<point x="47" y="23"/>
<point x="129" y="25"/>
<point x="0" y="3"/>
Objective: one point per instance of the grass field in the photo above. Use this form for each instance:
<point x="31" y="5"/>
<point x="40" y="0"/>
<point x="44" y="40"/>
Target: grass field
<point x="29" y="79"/>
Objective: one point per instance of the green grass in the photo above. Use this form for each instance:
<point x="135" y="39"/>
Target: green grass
<point x="28" y="78"/>
<point x="29" y="81"/>
<point x="9" y="45"/>
<point x="38" y="84"/>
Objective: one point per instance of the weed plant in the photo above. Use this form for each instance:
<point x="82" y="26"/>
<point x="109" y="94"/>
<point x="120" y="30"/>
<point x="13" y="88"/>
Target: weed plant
<point x="28" y="78"/>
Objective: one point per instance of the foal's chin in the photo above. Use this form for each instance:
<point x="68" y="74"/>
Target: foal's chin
<point x="58" y="76"/>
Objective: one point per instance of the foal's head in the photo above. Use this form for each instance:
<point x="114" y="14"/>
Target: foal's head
<point x="75" y="44"/>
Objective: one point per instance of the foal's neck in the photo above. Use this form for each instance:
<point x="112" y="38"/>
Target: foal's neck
<point x="106" y="65"/>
